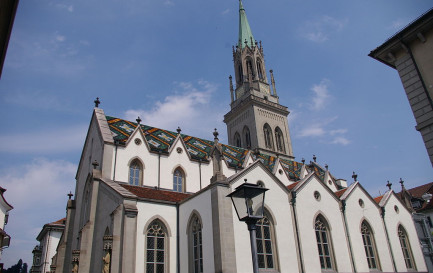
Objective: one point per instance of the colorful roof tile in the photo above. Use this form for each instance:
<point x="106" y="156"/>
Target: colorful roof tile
<point x="292" y="169"/>
<point x="198" y="149"/>
<point x="234" y="156"/>
<point x="267" y="160"/>
<point x="319" y="171"/>
<point x="155" y="194"/>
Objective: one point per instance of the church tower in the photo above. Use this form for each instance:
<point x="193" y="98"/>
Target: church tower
<point x="256" y="120"/>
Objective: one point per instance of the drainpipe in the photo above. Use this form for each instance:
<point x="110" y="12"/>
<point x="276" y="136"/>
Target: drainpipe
<point x="343" y="211"/>
<point x="199" y="170"/>
<point x="116" y="144"/>
<point x="387" y="238"/>
<point x="177" y="239"/>
<point x="298" y="242"/>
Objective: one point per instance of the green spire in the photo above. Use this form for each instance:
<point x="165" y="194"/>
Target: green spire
<point x="244" y="28"/>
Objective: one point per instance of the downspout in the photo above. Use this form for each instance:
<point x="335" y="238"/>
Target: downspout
<point x="387" y="238"/>
<point x="343" y="211"/>
<point x="177" y="239"/>
<point x="298" y="242"/>
<point x="159" y="169"/>
<point x="116" y="143"/>
<point x="199" y="170"/>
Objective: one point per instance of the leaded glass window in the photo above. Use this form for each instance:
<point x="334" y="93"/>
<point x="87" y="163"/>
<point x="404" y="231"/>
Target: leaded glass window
<point x="265" y="245"/>
<point x="178" y="180"/>
<point x="197" y="245"/>
<point x="156" y="248"/>
<point x="369" y="246"/>
<point x="405" y="247"/>
<point x="324" y="243"/>
<point x="135" y="173"/>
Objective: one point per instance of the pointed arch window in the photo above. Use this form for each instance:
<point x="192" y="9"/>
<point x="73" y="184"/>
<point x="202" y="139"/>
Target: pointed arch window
<point x="324" y="245"/>
<point x="268" y="136"/>
<point x="259" y="69"/>
<point x="369" y="246"/>
<point x="238" y="142"/>
<point x="156" y="247"/>
<point x="240" y="73"/>
<point x="250" y="69"/>
<point x="178" y="180"/>
<point x="279" y="140"/>
<point x="196" y="245"/>
<point x="405" y="248"/>
<point x="265" y="239"/>
<point x="135" y="173"/>
<point x="247" y="136"/>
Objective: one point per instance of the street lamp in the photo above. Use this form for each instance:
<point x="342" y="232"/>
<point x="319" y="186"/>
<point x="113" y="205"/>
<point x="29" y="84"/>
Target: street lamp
<point x="249" y="200"/>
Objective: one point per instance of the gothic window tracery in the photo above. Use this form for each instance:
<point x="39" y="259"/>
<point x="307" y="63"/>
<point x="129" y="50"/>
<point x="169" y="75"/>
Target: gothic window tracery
<point x="178" y="180"/>
<point x="196" y="245"/>
<point x="240" y="73"/>
<point x="156" y="247"/>
<point x="369" y="246"/>
<point x="265" y="239"/>
<point x="250" y="69"/>
<point x="268" y="136"/>
<point x="135" y="173"/>
<point x="324" y="245"/>
<point x="279" y="140"/>
<point x="405" y="248"/>
<point x="259" y="69"/>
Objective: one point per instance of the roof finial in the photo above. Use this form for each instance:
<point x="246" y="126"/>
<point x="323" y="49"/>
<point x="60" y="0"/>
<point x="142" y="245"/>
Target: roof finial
<point x="97" y="102"/>
<point x="178" y="130"/>
<point x="389" y="184"/>
<point x="70" y="195"/>
<point x="138" y="120"/>
<point x="402" y="183"/>
<point x="326" y="166"/>
<point x="354" y="176"/>
<point x="303" y="160"/>
<point x="314" y="158"/>
<point x="215" y="134"/>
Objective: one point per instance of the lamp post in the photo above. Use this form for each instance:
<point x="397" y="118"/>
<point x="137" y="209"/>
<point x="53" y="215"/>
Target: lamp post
<point x="249" y="200"/>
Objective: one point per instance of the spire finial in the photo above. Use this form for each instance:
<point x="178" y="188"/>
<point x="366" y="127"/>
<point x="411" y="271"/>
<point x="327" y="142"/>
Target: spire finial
<point x="303" y="160"/>
<point x="215" y="134"/>
<point x="402" y="183"/>
<point x="326" y="166"/>
<point x="231" y="89"/>
<point x="354" y="176"/>
<point x="70" y="195"/>
<point x="97" y="102"/>
<point x="389" y="184"/>
<point x="178" y="130"/>
<point x="138" y="120"/>
<point x="273" y="83"/>
<point x="314" y="158"/>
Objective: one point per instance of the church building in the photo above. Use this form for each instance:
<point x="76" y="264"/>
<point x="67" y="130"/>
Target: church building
<point x="153" y="200"/>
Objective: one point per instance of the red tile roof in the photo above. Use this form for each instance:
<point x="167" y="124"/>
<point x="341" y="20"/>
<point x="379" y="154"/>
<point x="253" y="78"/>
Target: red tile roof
<point x="59" y="222"/>
<point x="154" y="194"/>
<point x="378" y="199"/>
<point x="340" y="192"/>
<point x="419" y="191"/>
<point x="291" y="186"/>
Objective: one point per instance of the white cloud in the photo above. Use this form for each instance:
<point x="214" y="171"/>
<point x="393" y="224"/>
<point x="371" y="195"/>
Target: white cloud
<point x="54" y="141"/>
<point x="169" y="3"/>
<point x="226" y="11"/>
<point x="312" y="131"/>
<point x="37" y="191"/>
<point x="398" y="24"/>
<point x="340" y="140"/>
<point x="321" y="95"/>
<point x="321" y="29"/>
<point x="191" y="109"/>
<point x="69" y="8"/>
<point x="60" y="38"/>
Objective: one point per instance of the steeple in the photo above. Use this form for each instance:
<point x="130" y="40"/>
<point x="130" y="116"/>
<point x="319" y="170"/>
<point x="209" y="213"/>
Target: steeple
<point x="245" y="33"/>
<point x="256" y="119"/>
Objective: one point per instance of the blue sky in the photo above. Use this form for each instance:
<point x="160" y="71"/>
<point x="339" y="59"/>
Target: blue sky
<point x="169" y="61"/>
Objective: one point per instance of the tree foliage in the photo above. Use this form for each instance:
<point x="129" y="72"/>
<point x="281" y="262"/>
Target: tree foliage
<point x="20" y="267"/>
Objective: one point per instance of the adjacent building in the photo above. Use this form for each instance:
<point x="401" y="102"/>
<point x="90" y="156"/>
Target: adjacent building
<point x="410" y="52"/>
<point x="5" y="207"/>
<point x="149" y="199"/>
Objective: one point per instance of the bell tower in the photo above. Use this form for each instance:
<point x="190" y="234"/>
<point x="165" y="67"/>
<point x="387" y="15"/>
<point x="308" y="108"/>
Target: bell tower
<point x="256" y="119"/>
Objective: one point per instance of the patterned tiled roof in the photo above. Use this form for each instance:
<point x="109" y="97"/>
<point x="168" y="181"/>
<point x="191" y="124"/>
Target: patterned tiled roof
<point x="292" y="169"/>
<point x="198" y="148"/>
<point x="154" y="194"/>
<point x="319" y="171"/>
<point x="267" y="160"/>
<point x="234" y="156"/>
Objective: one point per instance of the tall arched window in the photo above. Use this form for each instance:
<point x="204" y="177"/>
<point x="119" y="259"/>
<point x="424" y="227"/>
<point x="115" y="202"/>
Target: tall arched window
<point x="196" y="245"/>
<point x="178" y="180"/>
<point x="135" y="173"/>
<point x="259" y="69"/>
<point x="238" y="142"/>
<point x="324" y="245"/>
<point x="268" y="136"/>
<point x="369" y="246"/>
<point x="265" y="239"/>
<point x="240" y="74"/>
<point x="405" y="248"/>
<point x="250" y="69"/>
<point x="279" y="139"/>
<point x="156" y="247"/>
<point x="247" y="136"/>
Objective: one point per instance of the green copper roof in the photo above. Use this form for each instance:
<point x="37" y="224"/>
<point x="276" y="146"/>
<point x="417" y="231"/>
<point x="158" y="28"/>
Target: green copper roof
<point x="244" y="28"/>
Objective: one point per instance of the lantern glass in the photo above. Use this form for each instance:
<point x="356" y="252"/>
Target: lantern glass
<point x="248" y="200"/>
